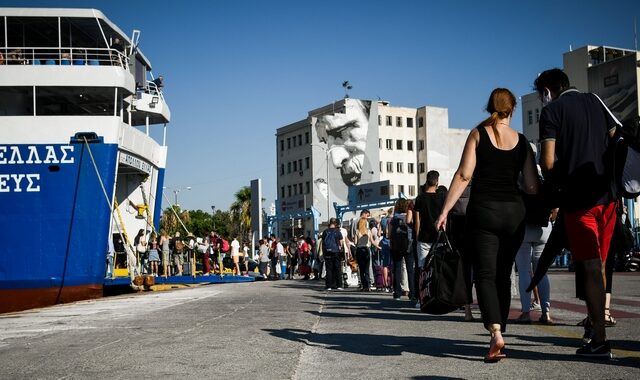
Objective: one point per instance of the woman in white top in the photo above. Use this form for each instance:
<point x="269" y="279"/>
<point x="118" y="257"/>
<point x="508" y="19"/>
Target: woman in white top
<point x="235" y="256"/>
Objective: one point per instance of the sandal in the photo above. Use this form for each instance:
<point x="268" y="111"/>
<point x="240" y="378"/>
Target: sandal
<point x="495" y="350"/>
<point x="609" y="321"/>
<point x="544" y="318"/>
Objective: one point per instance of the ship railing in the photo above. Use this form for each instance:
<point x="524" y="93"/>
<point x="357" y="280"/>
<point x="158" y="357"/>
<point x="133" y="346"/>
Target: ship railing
<point x="63" y="56"/>
<point x="153" y="89"/>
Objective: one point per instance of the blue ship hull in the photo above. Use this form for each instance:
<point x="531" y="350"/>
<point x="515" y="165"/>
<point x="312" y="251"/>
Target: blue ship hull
<point x="55" y="222"/>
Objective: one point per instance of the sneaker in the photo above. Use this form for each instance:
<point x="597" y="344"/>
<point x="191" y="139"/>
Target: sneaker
<point x="593" y="350"/>
<point x="339" y="289"/>
<point x="396" y="298"/>
<point x="328" y="289"/>
<point x="535" y="306"/>
<point x="417" y="305"/>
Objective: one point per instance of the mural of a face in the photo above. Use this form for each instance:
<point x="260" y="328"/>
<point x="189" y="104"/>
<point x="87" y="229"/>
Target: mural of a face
<point x="346" y="137"/>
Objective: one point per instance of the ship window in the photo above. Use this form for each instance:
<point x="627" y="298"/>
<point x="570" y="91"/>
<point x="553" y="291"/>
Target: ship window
<point x="81" y="32"/>
<point x="32" y="32"/>
<point x="75" y="101"/>
<point x="16" y="101"/>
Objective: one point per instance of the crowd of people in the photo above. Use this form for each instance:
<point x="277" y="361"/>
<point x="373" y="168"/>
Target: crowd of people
<point x="164" y="255"/>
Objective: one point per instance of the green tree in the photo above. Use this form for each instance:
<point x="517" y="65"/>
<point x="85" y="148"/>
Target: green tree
<point x="170" y="223"/>
<point x="241" y="212"/>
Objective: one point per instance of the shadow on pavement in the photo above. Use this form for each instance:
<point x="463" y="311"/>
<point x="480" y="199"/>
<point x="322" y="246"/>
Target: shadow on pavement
<point x="390" y="345"/>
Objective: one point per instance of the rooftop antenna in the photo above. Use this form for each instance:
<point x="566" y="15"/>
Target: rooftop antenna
<point x="347" y="86"/>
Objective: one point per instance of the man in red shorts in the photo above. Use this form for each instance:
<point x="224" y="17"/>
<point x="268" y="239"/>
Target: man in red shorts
<point x="575" y="130"/>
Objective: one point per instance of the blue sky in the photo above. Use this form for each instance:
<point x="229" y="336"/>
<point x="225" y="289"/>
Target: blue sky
<point x="236" y="70"/>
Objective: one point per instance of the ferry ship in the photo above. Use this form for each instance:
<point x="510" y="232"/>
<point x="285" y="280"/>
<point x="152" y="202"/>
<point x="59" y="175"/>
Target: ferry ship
<point x="82" y="151"/>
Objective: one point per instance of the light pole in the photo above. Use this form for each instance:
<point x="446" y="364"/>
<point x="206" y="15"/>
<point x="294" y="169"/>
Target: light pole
<point x="175" y="193"/>
<point x="213" y="215"/>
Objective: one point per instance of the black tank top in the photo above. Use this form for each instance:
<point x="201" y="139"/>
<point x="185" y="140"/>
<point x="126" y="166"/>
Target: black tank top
<point x="495" y="177"/>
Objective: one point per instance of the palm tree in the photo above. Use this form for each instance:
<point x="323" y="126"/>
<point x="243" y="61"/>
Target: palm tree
<point x="241" y="211"/>
<point x="170" y="223"/>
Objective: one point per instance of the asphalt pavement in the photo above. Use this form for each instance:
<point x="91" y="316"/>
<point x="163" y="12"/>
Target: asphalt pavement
<point x="295" y="329"/>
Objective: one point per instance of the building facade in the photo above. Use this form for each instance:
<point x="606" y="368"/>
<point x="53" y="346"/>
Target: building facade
<point x="353" y="142"/>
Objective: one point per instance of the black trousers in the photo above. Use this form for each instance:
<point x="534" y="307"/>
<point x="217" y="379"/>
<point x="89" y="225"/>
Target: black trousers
<point x="363" y="257"/>
<point x="495" y="231"/>
<point x="333" y="277"/>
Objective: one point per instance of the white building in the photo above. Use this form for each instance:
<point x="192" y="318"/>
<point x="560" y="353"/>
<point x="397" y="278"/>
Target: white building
<point x="612" y="73"/>
<point x="362" y="142"/>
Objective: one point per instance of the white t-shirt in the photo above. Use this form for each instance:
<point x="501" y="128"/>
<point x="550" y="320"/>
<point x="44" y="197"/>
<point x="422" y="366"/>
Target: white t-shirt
<point x="235" y="248"/>
<point x="279" y="250"/>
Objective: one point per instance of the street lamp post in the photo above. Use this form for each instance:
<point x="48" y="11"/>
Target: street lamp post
<point x="175" y="193"/>
<point x="213" y="215"/>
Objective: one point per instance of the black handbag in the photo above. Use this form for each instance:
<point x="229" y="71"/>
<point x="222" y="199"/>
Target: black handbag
<point x="442" y="285"/>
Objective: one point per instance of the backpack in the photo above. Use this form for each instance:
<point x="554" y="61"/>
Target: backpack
<point x="224" y="245"/>
<point x="626" y="161"/>
<point x="400" y="237"/>
<point x="330" y="241"/>
<point x="179" y="245"/>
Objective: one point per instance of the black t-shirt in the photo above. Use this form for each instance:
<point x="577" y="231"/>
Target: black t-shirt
<point x="429" y="206"/>
<point x="579" y="123"/>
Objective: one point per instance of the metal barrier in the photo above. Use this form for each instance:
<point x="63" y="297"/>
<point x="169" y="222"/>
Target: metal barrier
<point x="63" y="56"/>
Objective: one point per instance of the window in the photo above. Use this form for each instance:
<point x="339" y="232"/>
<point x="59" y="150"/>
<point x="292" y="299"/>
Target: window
<point x="409" y="122"/>
<point x="410" y="167"/>
<point x="282" y="192"/>
<point x="16" y="101"/>
<point x="75" y="101"/>
<point x="421" y="145"/>
<point x="421" y="167"/>
<point x="300" y="164"/>
<point x="379" y="143"/>
<point x="289" y="189"/>
<point x="299" y="140"/>
<point x="281" y="145"/>
<point x="306" y="137"/>
<point x="537" y="115"/>
<point x="420" y="122"/>
<point x="300" y="188"/>
<point x="391" y="190"/>
<point x="379" y="120"/>
<point x="530" y="116"/>
<point x="295" y="189"/>
<point x="288" y="167"/>
<point x="399" y="144"/>
<point x="401" y="189"/>
<point x="412" y="190"/>
<point x="399" y="167"/>
<point x="410" y="145"/>
<point x="288" y="142"/>
<point x="306" y="162"/>
<point x="380" y="167"/>
<point x="389" y="167"/>
<point x="307" y="187"/>
<point x="389" y="144"/>
<point x="399" y="121"/>
<point x="293" y="139"/>
<point x="295" y="166"/>
<point x="281" y="169"/>
<point x="388" y="121"/>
